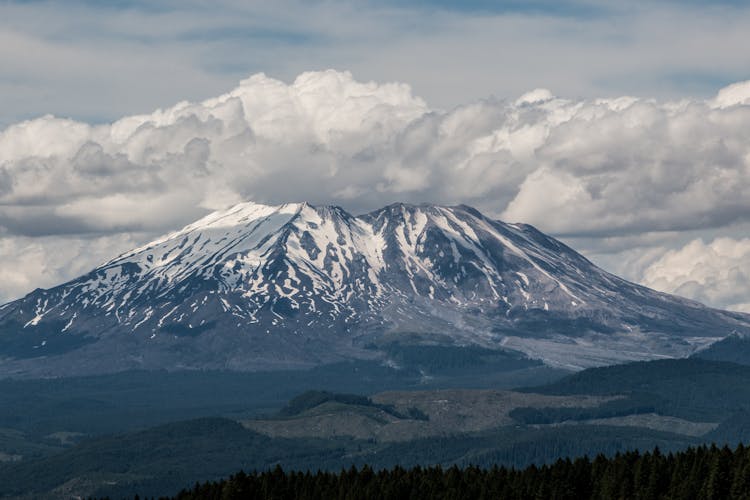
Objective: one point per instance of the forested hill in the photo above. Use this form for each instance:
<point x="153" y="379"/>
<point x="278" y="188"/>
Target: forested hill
<point x="660" y="376"/>
<point x="695" y="389"/>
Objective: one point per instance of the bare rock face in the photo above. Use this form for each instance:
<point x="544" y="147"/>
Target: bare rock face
<point x="262" y="287"/>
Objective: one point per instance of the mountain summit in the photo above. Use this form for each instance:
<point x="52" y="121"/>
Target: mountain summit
<point x="272" y="287"/>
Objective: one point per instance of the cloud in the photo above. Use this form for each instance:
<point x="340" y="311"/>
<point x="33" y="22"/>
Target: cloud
<point x="732" y="95"/>
<point x="30" y="263"/>
<point x="714" y="273"/>
<point x="265" y="139"/>
<point x="595" y="168"/>
<point x="572" y="167"/>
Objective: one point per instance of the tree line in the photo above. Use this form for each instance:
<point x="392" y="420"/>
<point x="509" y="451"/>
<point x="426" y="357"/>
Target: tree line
<point x="699" y="473"/>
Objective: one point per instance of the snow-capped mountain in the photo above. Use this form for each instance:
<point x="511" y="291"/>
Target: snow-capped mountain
<point x="258" y="287"/>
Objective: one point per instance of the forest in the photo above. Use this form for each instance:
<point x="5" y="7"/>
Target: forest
<point x="699" y="473"/>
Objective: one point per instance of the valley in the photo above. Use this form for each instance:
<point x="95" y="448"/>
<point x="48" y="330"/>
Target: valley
<point x="232" y="424"/>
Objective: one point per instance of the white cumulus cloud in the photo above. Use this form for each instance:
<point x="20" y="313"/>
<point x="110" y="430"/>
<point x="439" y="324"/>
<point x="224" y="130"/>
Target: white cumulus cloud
<point x="31" y="263"/>
<point x="715" y="273"/>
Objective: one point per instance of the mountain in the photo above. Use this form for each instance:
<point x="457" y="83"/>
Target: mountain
<point x="733" y="349"/>
<point x="280" y="287"/>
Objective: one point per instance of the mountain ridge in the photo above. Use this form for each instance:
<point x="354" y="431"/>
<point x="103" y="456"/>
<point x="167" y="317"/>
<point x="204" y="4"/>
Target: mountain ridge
<point x="274" y="286"/>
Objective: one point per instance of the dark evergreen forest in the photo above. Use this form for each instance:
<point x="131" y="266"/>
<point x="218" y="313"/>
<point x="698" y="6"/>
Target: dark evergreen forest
<point x="699" y="473"/>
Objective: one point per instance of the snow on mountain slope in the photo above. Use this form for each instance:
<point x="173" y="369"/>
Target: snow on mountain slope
<point x="258" y="286"/>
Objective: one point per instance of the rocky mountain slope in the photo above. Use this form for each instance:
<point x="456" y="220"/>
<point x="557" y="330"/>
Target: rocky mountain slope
<point x="273" y="287"/>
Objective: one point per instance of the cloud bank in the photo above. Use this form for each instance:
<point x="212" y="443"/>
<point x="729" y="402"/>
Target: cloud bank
<point x="713" y="273"/>
<point x="598" y="168"/>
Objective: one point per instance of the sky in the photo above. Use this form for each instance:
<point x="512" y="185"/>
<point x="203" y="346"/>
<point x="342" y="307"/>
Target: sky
<point x="620" y="127"/>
